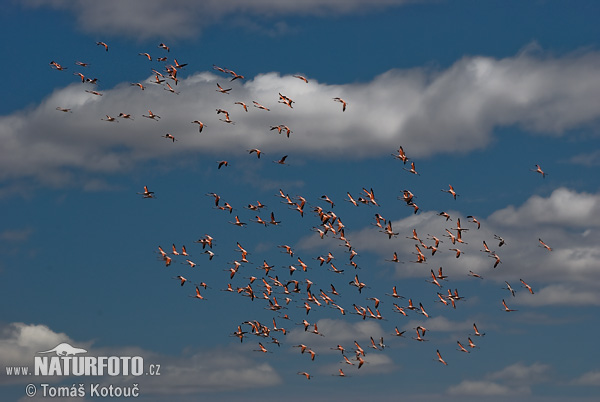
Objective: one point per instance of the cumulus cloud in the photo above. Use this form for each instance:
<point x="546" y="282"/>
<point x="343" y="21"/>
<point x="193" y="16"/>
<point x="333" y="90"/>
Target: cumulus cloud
<point x="561" y="295"/>
<point x="19" y="343"/>
<point x="184" y="19"/>
<point x="337" y="332"/>
<point x="588" y="159"/>
<point x="589" y="378"/>
<point x="197" y="371"/>
<point x="410" y="107"/>
<point x="557" y="277"/>
<point x="514" y="379"/>
<point x="440" y="324"/>
<point x="481" y="388"/>
<point x="521" y="374"/>
<point x="563" y="207"/>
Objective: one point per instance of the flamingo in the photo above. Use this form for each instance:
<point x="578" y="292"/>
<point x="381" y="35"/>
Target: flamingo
<point x="412" y="169"/>
<point x="351" y="200"/>
<point x="462" y="349"/>
<point x="343" y="102"/>
<point x="440" y="358"/>
<point x="200" y="125"/>
<point x="102" y="44"/>
<point x="146" y="193"/>
<point x="401" y="155"/>
<point x="237" y="222"/>
<point x="477" y="333"/>
<point x="282" y="160"/>
<point x="497" y="258"/>
<point x="181" y="278"/>
<point x="258" y="105"/>
<point x="434" y="280"/>
<point x="304" y="373"/>
<point x="301" y="77"/>
<point x="57" y="66"/>
<point x="147" y="55"/>
<point x="451" y="191"/>
<point x="526" y="286"/>
<point x="395" y="294"/>
<point x="285" y="100"/>
<point x="257" y="151"/>
<point x="485" y="248"/>
<point x="110" y="118"/>
<point x="539" y="170"/>
<point x="500" y="240"/>
<point x="151" y="115"/>
<point x="418" y="338"/>
<point x="360" y="360"/>
<point x="326" y="199"/>
<point x="400" y="310"/>
<point x="542" y="244"/>
<point x="275" y="223"/>
<point x="371" y="194"/>
<point x="445" y="214"/>
<point x="157" y="80"/>
<point x="458" y="251"/>
<point x="509" y="288"/>
<point x="177" y="65"/>
<point x="170" y="89"/>
<point x="474" y="220"/>
<point x="398" y="332"/>
<point x="198" y="295"/>
<point x="388" y="230"/>
<point x="506" y="307"/>
<point x="169" y="137"/>
<point x="473" y="274"/>
<point x="261" y="348"/>
<point x="239" y="333"/>
<point x="288" y="249"/>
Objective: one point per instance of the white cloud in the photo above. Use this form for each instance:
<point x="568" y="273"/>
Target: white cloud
<point x="514" y="379"/>
<point x="561" y="276"/>
<point x="440" y="324"/>
<point x="196" y="371"/>
<point x="589" y="378"/>
<point x="410" y="107"/>
<point x="561" y="295"/>
<point x="589" y="159"/>
<point x="337" y="331"/>
<point x="521" y="374"/>
<point x="482" y="388"/>
<point x="155" y="18"/>
<point x="208" y="371"/>
<point x="19" y="343"/>
<point x="563" y="207"/>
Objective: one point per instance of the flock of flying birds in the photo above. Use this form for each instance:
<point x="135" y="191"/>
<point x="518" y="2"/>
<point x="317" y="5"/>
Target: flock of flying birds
<point x="267" y="288"/>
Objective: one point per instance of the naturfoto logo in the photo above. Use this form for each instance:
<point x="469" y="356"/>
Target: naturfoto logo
<point x="68" y="362"/>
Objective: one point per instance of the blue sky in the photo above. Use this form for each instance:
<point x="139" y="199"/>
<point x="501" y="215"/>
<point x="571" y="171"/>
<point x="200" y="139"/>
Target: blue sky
<point x="476" y="93"/>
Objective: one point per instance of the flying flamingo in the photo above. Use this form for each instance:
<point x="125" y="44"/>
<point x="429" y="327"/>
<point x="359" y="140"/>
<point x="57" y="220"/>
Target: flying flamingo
<point x="440" y="358"/>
